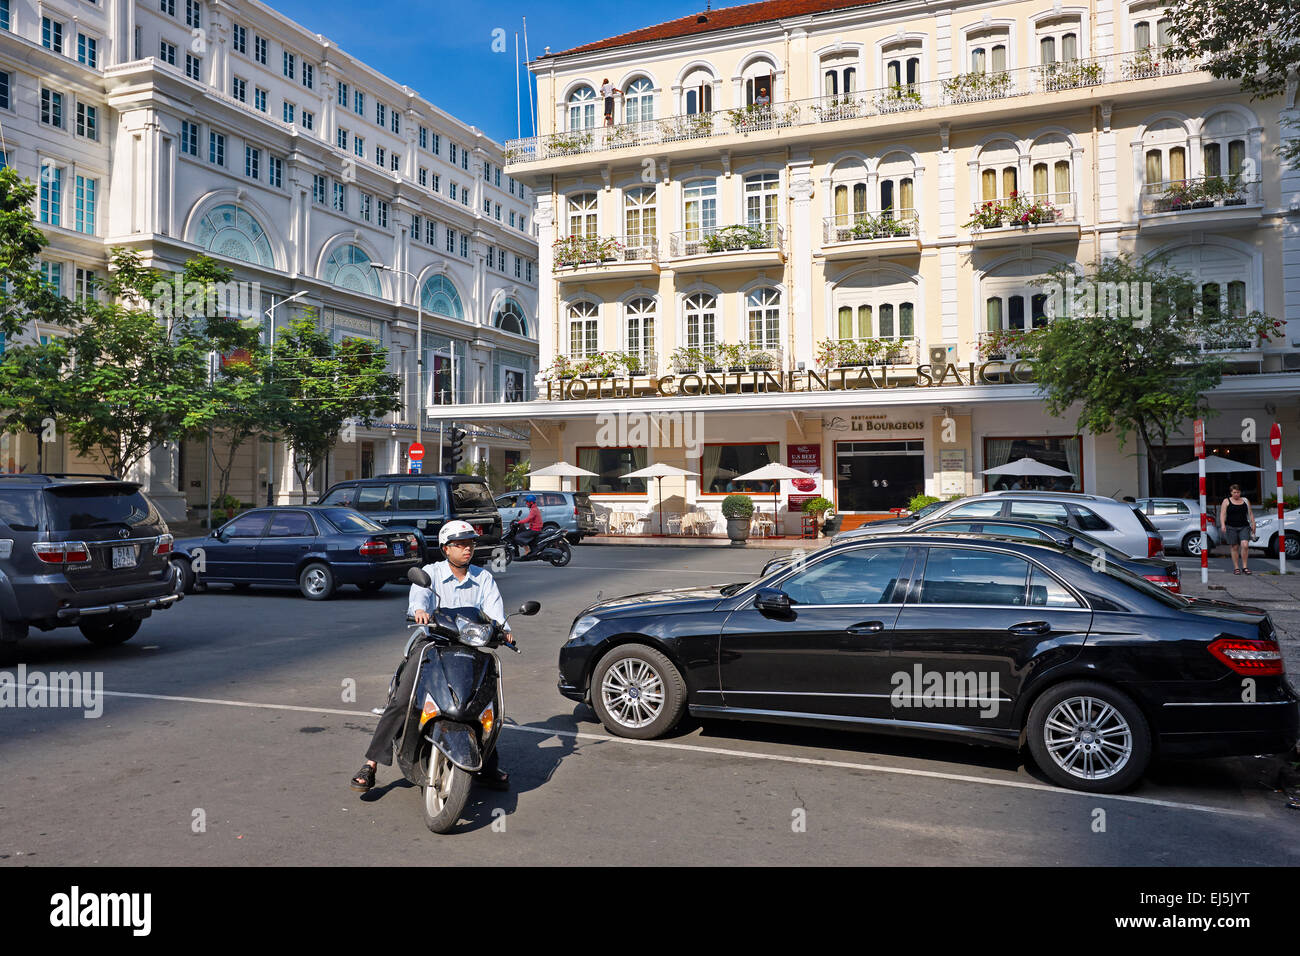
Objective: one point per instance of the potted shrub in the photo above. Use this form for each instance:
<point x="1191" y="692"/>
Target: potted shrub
<point x="818" y="507"/>
<point x="732" y="357"/>
<point x="738" y="509"/>
<point x="920" y="501"/>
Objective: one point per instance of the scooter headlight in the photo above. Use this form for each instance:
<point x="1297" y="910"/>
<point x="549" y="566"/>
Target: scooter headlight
<point x="475" y="635"/>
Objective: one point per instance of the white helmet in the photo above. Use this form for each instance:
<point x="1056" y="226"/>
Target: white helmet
<point x="456" y="531"/>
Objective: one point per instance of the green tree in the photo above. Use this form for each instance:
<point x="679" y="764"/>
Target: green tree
<point x="517" y="475"/>
<point x="1254" y="41"/>
<point x="325" y="384"/>
<point x="24" y="295"/>
<point x="1142" y="373"/>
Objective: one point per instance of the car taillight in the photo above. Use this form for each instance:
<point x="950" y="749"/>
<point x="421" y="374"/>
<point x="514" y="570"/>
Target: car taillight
<point x="1209" y="519"/>
<point x="413" y="541"/>
<point x="1165" y="581"/>
<point x="575" y="511"/>
<point x="1155" y="546"/>
<point x="1246" y="656"/>
<point x="67" y="552"/>
<point x="373" y="547"/>
<point x="163" y="545"/>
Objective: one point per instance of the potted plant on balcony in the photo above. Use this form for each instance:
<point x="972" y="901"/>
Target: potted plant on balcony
<point x="731" y="357"/>
<point x="564" y="144"/>
<point x="688" y="358"/>
<point x="828" y="351"/>
<point x="898" y="97"/>
<point x="820" y="508"/>
<point x="1180" y="195"/>
<point x="560" y="368"/>
<point x="761" y="361"/>
<point x="864" y="227"/>
<point x="738" y="509"/>
<point x="989" y="215"/>
<point x="895" y="351"/>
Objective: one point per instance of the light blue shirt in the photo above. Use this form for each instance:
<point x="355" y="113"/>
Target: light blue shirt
<point x="479" y="589"/>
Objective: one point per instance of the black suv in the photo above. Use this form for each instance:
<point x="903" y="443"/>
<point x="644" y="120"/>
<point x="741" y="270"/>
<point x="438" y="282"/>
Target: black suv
<point x="80" y="549"/>
<point x="423" y="504"/>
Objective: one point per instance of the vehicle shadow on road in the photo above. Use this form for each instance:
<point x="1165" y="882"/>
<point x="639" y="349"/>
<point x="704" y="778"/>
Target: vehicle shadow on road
<point x="531" y="756"/>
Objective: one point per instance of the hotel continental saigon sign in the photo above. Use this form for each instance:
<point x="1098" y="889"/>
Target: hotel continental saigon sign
<point x="758" y="382"/>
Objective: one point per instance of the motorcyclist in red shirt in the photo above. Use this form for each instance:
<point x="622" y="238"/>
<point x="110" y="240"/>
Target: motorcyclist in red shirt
<point x="530" y="523"/>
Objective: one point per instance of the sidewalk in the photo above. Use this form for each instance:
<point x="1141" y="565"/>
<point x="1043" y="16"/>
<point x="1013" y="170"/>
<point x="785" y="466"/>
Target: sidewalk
<point x="1266" y="589"/>
<point x="708" y="541"/>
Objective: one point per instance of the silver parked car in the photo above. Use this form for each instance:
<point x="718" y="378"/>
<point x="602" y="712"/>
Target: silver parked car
<point x="1116" y="523"/>
<point x="1179" y="522"/>
<point x="1266" y="534"/>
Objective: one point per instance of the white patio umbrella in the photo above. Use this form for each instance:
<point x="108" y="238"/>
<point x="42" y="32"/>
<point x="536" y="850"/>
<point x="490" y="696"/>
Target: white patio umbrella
<point x="1028" y="467"/>
<point x="659" y="471"/>
<point x="773" y="472"/>
<point x="1214" y="465"/>
<point x="562" y="469"/>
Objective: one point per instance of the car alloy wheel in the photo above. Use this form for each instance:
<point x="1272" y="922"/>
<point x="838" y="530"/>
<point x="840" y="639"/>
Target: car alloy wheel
<point x="1292" y="545"/>
<point x="633" y="693"/>
<point x="1088" y="738"/>
<point x="316" y="582"/>
<point x="1192" y="544"/>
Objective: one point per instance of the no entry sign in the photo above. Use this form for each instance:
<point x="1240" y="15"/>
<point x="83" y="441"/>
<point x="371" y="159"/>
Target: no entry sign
<point x="1275" y="440"/>
<point x="416" y="452"/>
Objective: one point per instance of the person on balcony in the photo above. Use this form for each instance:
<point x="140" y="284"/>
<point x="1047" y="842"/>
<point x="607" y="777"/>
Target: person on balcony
<point x="762" y="99"/>
<point x="609" y="91"/>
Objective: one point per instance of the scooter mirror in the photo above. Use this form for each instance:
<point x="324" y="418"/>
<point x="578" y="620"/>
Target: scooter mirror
<point x="418" y="576"/>
<point x="529" y="608"/>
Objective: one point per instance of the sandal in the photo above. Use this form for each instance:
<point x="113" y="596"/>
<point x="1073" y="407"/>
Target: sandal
<point x="363" y="779"/>
<point x="1236" y="570"/>
<point x="1245" y="570"/>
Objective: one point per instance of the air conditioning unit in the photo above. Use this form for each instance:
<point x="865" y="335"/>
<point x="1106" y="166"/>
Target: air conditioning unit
<point x="1291" y="361"/>
<point x="942" y="354"/>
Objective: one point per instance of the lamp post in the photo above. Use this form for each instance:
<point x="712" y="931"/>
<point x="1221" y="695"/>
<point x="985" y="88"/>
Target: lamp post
<point x="419" y="348"/>
<point x="270" y="468"/>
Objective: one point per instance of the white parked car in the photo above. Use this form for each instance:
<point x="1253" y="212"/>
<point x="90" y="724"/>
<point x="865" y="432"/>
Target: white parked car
<point x="1266" y="533"/>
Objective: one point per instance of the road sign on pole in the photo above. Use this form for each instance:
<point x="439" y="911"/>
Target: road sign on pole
<point x="1275" y="446"/>
<point x="1198" y="432"/>
<point x="416" y="452"/>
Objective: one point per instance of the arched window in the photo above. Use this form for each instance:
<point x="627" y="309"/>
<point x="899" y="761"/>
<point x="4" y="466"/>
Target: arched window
<point x="697" y="92"/>
<point x="1164" y="151"/>
<point x="584" y="329"/>
<point x="582" y="215"/>
<point x="700" y="208"/>
<point x="988" y="51"/>
<point x="349" y="267"/>
<point x="439" y="296"/>
<point x="903" y="63"/>
<point x="876" y="305"/>
<point x="228" y="230"/>
<point x="640" y="328"/>
<point x="840" y="73"/>
<point x="1223" y="145"/>
<point x="639" y="216"/>
<point x="896" y="174"/>
<point x="582" y="108"/>
<point x="1058" y="41"/>
<point x="1150" y="27"/>
<point x="762" y="198"/>
<point x="639" y="101"/>
<point x="760" y="78"/>
<point x="999" y="169"/>
<point x="701" y="313"/>
<point x="510" y="317"/>
<point x="848" y="193"/>
<point x="1050" y="163"/>
<point x="763" y="318"/>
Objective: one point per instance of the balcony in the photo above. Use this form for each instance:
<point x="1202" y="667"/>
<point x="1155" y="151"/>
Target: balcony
<point x="709" y="248"/>
<point x="1003" y="346"/>
<point x="611" y="257"/>
<point x="869" y="352"/>
<point x="862" y="234"/>
<point x="1042" y="217"/>
<point x="1214" y="201"/>
<point x="827" y="111"/>
<point x="719" y="358"/>
<point x="602" y="365"/>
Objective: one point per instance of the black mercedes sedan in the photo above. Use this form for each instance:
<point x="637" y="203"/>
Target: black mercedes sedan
<point x="316" y="547"/>
<point x="987" y="639"/>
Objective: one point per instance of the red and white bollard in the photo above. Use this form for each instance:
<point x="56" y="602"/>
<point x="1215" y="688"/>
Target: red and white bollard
<point x="1275" y="446"/>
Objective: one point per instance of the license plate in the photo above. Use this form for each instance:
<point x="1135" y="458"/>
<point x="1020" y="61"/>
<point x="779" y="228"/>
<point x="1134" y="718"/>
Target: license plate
<point x="398" y="550"/>
<point x="124" y="557"/>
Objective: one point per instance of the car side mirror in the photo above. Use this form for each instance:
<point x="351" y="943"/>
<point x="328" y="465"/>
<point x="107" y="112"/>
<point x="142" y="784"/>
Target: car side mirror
<point x="419" y="576"/>
<point x="772" y="601"/>
<point x="529" y="608"/>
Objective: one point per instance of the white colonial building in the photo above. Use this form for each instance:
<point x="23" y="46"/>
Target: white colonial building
<point x="179" y="127"/>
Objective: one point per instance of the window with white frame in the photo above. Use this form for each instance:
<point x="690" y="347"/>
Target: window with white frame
<point x="875" y="306"/>
<point x="999" y="169"/>
<point x="193" y="67"/>
<point x="639" y="327"/>
<point x="87" y="121"/>
<point x="902" y="63"/>
<point x="849" y="191"/>
<point x="52" y="35"/>
<point x="193" y="13"/>
<point x="1050" y="158"/>
<point x="52" y="108"/>
<point x="638" y="104"/>
<point x="700" y="208"/>
<point x="87" y="50"/>
<point x="697" y="92"/>
<point x="288" y="113"/>
<point x="700" y="315"/>
<point x="639" y="213"/>
<point x="189" y="138"/>
<point x="760" y="82"/>
<point x="363" y="208"/>
<point x="1013" y="304"/>
<point x="381" y="213"/>
<point x="308" y="75"/>
<point x="1150" y="25"/>
<point x="259" y="50"/>
<point x="839" y="73"/>
<point x="584" y="329"/>
<point x="1058" y="40"/>
<point x="308" y="120"/>
<point x="238" y="38"/>
<point x="50" y="203"/>
<point x="582" y="215"/>
<point x="762" y="195"/>
<point x="987" y="51"/>
<point x="763" y="318"/>
<point x="1164" y="153"/>
<point x="582" y="109"/>
<point x="896" y="183"/>
<point x="167" y="53"/>
<point x="1223" y="145"/>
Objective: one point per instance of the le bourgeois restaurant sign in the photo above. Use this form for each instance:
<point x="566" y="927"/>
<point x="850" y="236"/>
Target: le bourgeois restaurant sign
<point x="830" y="380"/>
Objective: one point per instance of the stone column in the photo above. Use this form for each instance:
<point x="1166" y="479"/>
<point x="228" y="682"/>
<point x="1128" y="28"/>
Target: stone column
<point x="801" y="249"/>
<point x="544" y="217"/>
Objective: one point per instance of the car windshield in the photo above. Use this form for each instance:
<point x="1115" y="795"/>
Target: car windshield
<point x="349" y="522"/>
<point x="471" y="496"/>
<point x="929" y="509"/>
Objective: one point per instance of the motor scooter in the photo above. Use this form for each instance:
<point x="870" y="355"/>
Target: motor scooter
<point x="453" y="718"/>
<point x="549" y="545"/>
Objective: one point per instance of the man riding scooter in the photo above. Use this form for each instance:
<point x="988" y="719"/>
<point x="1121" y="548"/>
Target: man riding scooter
<point x="531" y="524"/>
<point x="455" y="583"/>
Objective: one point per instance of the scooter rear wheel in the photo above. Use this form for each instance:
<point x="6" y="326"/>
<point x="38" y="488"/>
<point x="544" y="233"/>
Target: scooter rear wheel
<point x="565" y="554"/>
<point x="444" y="793"/>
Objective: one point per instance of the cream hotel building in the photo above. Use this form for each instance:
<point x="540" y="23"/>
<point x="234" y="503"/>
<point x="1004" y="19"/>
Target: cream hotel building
<point x="776" y="236"/>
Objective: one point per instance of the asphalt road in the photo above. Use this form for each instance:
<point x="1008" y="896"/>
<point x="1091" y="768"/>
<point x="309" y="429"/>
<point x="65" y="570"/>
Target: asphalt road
<point x="227" y="737"/>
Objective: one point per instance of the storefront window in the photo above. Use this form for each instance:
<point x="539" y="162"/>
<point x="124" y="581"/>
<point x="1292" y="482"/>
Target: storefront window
<point x="610" y="465"/>
<point x="720" y="464"/>
<point x="1063" y="453"/>
<point x="878" y="475"/>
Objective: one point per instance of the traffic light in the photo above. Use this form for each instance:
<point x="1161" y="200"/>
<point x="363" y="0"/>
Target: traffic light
<point x="457" y="445"/>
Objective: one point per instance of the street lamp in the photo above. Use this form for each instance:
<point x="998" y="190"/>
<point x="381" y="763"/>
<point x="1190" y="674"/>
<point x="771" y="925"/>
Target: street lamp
<point x="419" y="348"/>
<point x="270" y="470"/>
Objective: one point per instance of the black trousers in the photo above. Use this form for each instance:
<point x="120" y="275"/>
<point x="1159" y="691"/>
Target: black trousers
<point x="390" y="722"/>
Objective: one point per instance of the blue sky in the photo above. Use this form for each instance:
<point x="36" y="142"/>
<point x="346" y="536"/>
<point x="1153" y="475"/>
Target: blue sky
<point x="443" y="50"/>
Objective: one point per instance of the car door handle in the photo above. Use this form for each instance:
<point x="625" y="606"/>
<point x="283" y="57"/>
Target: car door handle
<point x="1030" y="627"/>
<point x="867" y="627"/>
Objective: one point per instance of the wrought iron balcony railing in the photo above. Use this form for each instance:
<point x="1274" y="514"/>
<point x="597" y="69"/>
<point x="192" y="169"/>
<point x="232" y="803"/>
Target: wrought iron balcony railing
<point x="887" y="224"/>
<point x="705" y="240"/>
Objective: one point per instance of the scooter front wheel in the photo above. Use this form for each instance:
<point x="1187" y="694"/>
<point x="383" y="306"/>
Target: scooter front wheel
<point x="444" y="793"/>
